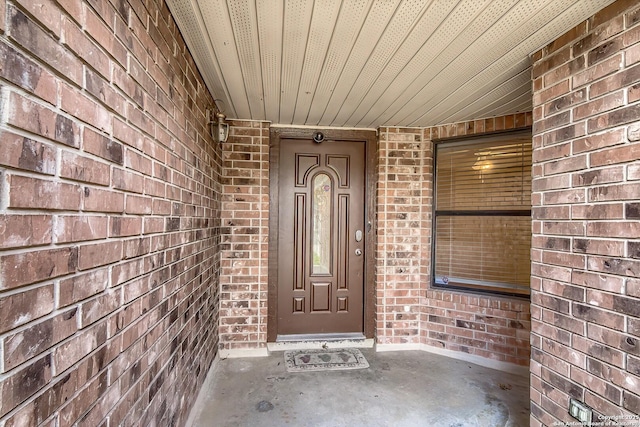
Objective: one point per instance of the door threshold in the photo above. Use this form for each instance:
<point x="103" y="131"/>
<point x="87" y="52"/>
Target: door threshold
<point x="317" y="341"/>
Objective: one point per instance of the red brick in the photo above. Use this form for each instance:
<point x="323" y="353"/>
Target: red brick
<point x="21" y="384"/>
<point x="33" y="193"/>
<point x="549" y="62"/>
<point x="598" y="211"/>
<point x="563" y="134"/>
<point x="633" y="289"/>
<point x="598" y="177"/>
<point x="123" y="81"/>
<point x="594" y="314"/>
<point x="37" y="118"/>
<point x="550" y="212"/>
<point x="612" y="337"/>
<point x="105" y="93"/>
<point x="83" y="286"/>
<point x="631" y="402"/>
<point x="632" y="55"/>
<point x="563" y="259"/>
<point x="633" y="132"/>
<point x="610" y="47"/>
<point x="105" y="36"/>
<point x="24" y="230"/>
<point x="623" y="78"/>
<point x="565" y="102"/>
<point x="553" y="243"/>
<point x="551" y="332"/>
<point x="30" y="267"/>
<point x="153" y="225"/>
<point x="563" y="356"/>
<point x="141" y="120"/>
<point x="570" y="164"/>
<point x="606" y="103"/>
<point x="553" y="152"/>
<point x="620" y="154"/>
<point x="568" y="37"/>
<point x="18" y="69"/>
<point x="598" y="351"/>
<point x="161" y="207"/>
<point x="29" y="343"/>
<point x="564" y="197"/>
<point x="138" y="205"/>
<point x="559" y="305"/>
<point x="596" y="385"/>
<point x="127" y="181"/>
<point x="88" y="374"/>
<point x="611" y="12"/>
<point x="546" y="95"/>
<point x="102" y="146"/>
<point x="73" y="8"/>
<point x="80" y="228"/>
<point x="18" y="309"/>
<point x="85" y="48"/>
<point x="563" y="72"/>
<point x="616" y="117"/>
<point x="79" y="346"/>
<point x="607" y="372"/>
<point x="97" y="200"/>
<point x="125" y="226"/>
<point x="98" y="254"/>
<point x="599" y="247"/>
<point x="85" y="109"/>
<point x="128" y="135"/>
<point x="633" y="172"/>
<point x="96" y="308"/>
<point x="84" y="169"/>
<point x="29" y="35"/>
<point x="614" y="192"/>
<point x="23" y="153"/>
<point x="46" y="12"/>
<point x="628" y="229"/>
<point x="594" y="142"/>
<point x="136" y="247"/>
<point x="154" y="187"/>
<point x="551" y="183"/>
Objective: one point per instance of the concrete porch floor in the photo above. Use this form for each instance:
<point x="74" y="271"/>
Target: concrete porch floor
<point x="404" y="388"/>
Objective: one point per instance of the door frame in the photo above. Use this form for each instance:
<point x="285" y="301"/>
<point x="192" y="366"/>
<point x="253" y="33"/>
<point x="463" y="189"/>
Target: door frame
<point x="369" y="137"/>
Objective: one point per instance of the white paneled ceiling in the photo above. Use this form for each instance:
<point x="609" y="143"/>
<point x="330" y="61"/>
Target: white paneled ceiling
<point x="371" y="63"/>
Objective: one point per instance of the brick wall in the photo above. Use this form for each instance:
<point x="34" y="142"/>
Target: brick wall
<point x="109" y="207"/>
<point x="491" y="327"/>
<point x="585" y="287"/>
<point x="245" y="237"/>
<point x="402" y="231"/>
<point x="408" y="310"/>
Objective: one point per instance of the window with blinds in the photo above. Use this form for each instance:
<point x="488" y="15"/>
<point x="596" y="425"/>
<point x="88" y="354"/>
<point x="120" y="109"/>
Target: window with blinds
<point x="483" y="214"/>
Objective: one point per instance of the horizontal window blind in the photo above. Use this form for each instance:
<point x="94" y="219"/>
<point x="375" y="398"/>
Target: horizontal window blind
<point x="483" y="214"/>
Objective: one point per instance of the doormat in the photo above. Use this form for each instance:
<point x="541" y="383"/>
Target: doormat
<point x="332" y="359"/>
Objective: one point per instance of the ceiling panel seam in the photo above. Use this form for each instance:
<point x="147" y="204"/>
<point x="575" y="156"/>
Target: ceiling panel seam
<point x="518" y="51"/>
<point x="405" y="73"/>
<point x="506" y="47"/>
<point x="397" y="20"/>
<point x="344" y="64"/>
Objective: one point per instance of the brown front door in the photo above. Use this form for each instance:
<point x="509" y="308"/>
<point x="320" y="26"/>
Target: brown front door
<point x="321" y="218"/>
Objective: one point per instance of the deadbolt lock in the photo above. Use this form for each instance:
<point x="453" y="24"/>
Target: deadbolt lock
<point x="358" y="252"/>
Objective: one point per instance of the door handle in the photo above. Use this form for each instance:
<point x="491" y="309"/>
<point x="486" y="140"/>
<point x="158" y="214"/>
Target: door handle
<point x="358" y="235"/>
<point x="358" y="252"/>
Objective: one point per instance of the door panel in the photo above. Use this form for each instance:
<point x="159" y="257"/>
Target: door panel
<point x="320" y="264"/>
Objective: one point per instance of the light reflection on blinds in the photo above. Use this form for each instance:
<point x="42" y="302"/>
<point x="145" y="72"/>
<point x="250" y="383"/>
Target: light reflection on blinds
<point x="485" y="176"/>
<point x="478" y="247"/>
